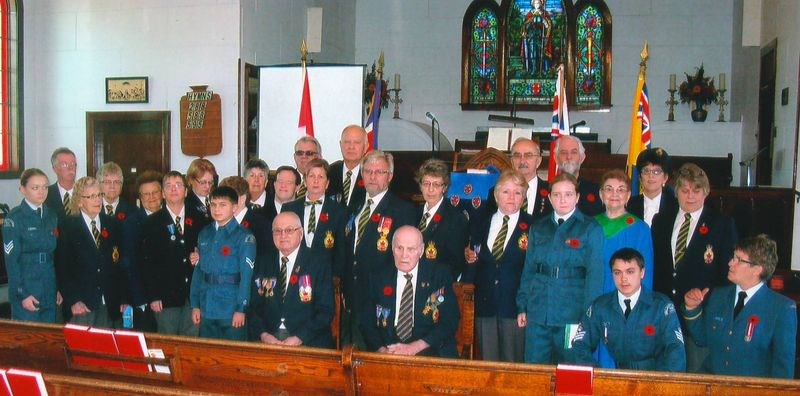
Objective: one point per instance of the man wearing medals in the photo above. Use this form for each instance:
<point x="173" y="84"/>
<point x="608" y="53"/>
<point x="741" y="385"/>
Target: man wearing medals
<point x="639" y="327"/>
<point x="748" y="328"/>
<point x="367" y="233"/>
<point x="294" y="302"/>
<point x="411" y="308"/>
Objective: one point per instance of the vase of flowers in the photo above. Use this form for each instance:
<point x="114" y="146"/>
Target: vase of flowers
<point x="700" y="91"/>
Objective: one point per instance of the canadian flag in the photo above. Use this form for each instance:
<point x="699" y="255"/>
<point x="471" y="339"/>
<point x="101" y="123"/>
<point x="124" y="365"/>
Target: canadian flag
<point x="306" y="122"/>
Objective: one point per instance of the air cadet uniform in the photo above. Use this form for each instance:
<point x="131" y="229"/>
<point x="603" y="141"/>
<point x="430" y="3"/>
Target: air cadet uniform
<point x="221" y="281"/>
<point x="649" y="339"/>
<point x="563" y="274"/>
<point x="29" y="240"/>
<point x="759" y="342"/>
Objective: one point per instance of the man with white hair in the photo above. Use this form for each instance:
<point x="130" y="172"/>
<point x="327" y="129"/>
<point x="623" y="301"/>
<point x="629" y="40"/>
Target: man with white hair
<point x="570" y="155"/>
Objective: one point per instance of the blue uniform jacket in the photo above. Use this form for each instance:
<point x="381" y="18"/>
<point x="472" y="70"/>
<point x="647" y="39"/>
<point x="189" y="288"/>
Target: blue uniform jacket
<point x="497" y="283"/>
<point x="771" y="350"/>
<point x="29" y="242"/>
<point x="221" y="280"/>
<point x="563" y="270"/>
<point x="307" y="313"/>
<point x="436" y="326"/>
<point x="650" y="339"/>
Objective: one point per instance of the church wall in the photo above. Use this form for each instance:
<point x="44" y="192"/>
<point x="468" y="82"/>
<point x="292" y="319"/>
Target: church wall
<point x="71" y="46"/>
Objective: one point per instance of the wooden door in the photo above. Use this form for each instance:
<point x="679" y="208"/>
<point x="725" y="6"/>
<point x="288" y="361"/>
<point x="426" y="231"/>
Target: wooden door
<point x="137" y="141"/>
<point x="766" y="114"/>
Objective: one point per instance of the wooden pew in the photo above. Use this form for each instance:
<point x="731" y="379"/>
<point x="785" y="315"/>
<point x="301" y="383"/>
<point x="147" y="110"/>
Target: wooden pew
<point x="73" y="385"/>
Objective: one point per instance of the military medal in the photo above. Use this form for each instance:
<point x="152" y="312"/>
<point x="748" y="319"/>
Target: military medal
<point x="430" y="251"/>
<point x="378" y="313"/>
<point x="752" y="321"/>
<point x="305" y="288"/>
<point x="383" y="243"/>
<point x="435" y="315"/>
<point x="115" y="255"/>
<point x="386" y="313"/>
<point x="708" y="256"/>
<point x="522" y="242"/>
<point x="385" y="225"/>
<point x="259" y="290"/>
<point x="171" y="230"/>
<point x="329" y="240"/>
<point x="269" y="286"/>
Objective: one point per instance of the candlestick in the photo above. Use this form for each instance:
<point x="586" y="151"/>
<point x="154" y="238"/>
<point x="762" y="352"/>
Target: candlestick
<point x="672" y="82"/>
<point x="721" y="101"/>
<point x="722" y="81"/>
<point x="394" y="96"/>
<point x="397" y="81"/>
<point x="671" y="102"/>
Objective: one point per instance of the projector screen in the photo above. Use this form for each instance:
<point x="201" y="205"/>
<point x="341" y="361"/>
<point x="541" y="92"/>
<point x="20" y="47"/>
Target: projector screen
<point x="336" y="101"/>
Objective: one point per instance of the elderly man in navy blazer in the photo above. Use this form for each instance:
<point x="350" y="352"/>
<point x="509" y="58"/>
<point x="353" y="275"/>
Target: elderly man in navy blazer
<point x="347" y="182"/>
<point x="749" y="329"/>
<point x="411" y="308"/>
<point x="294" y="302"/>
<point x="60" y="192"/>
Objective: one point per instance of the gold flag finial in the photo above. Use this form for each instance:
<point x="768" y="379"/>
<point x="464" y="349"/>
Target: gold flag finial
<point x="643" y="55"/>
<point x="380" y="67"/>
<point x="303" y="53"/>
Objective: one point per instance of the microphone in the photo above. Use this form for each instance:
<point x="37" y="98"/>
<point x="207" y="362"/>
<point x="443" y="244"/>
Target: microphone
<point x="430" y="116"/>
<point x="577" y="124"/>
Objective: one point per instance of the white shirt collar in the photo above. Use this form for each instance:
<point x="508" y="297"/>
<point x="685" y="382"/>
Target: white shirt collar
<point x="240" y="216"/>
<point x="88" y="221"/>
<point x="182" y="213"/>
<point x="565" y="217"/>
<point x="750" y="292"/>
<point x="261" y="198"/>
<point x="435" y="207"/>
<point x="634" y="299"/>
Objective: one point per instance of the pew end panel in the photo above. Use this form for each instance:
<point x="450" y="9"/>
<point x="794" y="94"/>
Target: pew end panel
<point x="465" y="336"/>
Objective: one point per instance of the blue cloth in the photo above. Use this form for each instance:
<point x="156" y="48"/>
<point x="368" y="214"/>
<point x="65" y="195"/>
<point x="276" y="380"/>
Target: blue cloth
<point x="649" y="339"/>
<point x="771" y="350"/>
<point x="29" y="242"/>
<point x="228" y="252"/>
<point x="469" y="192"/>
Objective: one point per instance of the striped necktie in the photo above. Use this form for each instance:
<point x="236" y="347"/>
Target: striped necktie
<point x="500" y="240"/>
<point x="423" y="224"/>
<point x="346" y="188"/>
<point x="178" y="225"/>
<point x="405" y="318"/>
<point x="302" y="191"/>
<point x="683" y="236"/>
<point x="312" y="217"/>
<point x="282" y="280"/>
<point x="66" y="199"/>
<point x="95" y="233"/>
<point x="525" y="205"/>
<point x="363" y="218"/>
<point x="110" y="210"/>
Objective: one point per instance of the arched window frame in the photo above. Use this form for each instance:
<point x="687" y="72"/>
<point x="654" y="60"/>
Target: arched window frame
<point x="11" y="125"/>
<point x="502" y="101"/>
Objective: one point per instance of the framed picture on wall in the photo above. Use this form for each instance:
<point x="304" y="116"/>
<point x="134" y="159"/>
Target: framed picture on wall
<point x="127" y="90"/>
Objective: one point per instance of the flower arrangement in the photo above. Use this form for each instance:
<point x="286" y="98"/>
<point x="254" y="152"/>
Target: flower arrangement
<point x="698" y="88"/>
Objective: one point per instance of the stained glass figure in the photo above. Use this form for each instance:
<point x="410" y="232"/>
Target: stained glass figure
<point x="589" y="70"/>
<point x="483" y="58"/>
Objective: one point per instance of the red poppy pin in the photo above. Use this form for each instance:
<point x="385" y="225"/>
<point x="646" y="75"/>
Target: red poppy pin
<point x="361" y="183"/>
<point x="703" y="230"/>
<point x="650" y="330"/>
<point x="630" y="220"/>
<point x="188" y="221"/>
<point x="387" y="290"/>
<point x="375" y="218"/>
<point x="293" y="279"/>
<point x="55" y="232"/>
<point x="753" y="319"/>
<point x="437" y="218"/>
<point x="245" y="224"/>
<point x="323" y="217"/>
<point x="590" y="197"/>
<point x="523" y="226"/>
<point x="121" y="215"/>
<point x="104" y="233"/>
<point x="574" y="243"/>
<point x="225" y="250"/>
<point x="543" y="192"/>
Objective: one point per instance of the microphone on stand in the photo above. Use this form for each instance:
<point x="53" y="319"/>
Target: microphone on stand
<point x="434" y="122"/>
<point x="575" y="126"/>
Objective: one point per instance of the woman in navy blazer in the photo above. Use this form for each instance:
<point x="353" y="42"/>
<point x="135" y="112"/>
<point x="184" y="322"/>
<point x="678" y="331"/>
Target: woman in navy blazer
<point x="497" y="273"/>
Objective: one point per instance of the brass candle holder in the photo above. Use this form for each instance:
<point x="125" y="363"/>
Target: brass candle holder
<point x="394" y="97"/>
<point x="671" y="103"/>
<point x="722" y="102"/>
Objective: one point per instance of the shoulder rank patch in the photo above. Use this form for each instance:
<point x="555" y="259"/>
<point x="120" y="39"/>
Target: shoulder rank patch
<point x="669" y="309"/>
<point x="8" y="247"/>
<point x="8" y="223"/>
<point x="250" y="262"/>
<point x="250" y="239"/>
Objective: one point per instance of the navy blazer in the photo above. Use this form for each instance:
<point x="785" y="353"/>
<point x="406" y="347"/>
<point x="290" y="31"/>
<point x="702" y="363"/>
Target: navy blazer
<point x="668" y="202"/>
<point x="164" y="256"/>
<point x="198" y="206"/>
<point x="446" y="237"/>
<point x="132" y="218"/>
<point x="497" y="283"/>
<point x="368" y="258"/>
<point x="541" y="207"/>
<point x="54" y="201"/>
<point x="769" y="353"/>
<point x="438" y="331"/>
<point x="329" y="236"/>
<point x="705" y="261"/>
<point x="589" y="201"/>
<point x="87" y="273"/>
<point x="308" y="320"/>
<point x="336" y="188"/>
<point x="261" y="228"/>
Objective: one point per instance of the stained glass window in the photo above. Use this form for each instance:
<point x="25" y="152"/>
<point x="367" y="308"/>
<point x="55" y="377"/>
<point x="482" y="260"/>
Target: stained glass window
<point x="11" y="107"/>
<point x="589" y="70"/>
<point x="537" y="43"/>
<point x="483" y="57"/>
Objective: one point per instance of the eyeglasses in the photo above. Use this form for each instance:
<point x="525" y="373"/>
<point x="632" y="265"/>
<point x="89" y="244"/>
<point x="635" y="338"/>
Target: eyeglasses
<point x="370" y="172"/>
<point x="151" y="194"/>
<point x="427" y="184"/>
<point x="284" y="231"/>
<point x="517" y="156"/>
<point x="174" y="186"/>
<point x="654" y="172"/>
<point x="618" y="190"/>
<point x="741" y="260"/>
<point x="67" y="165"/>
<point x="307" y="153"/>
<point x="112" y="182"/>
<point x="93" y="196"/>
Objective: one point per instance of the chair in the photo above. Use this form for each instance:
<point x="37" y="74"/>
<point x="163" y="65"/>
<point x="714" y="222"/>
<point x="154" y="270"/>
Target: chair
<point x="465" y="294"/>
<point x="336" y="330"/>
<point x="488" y="156"/>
